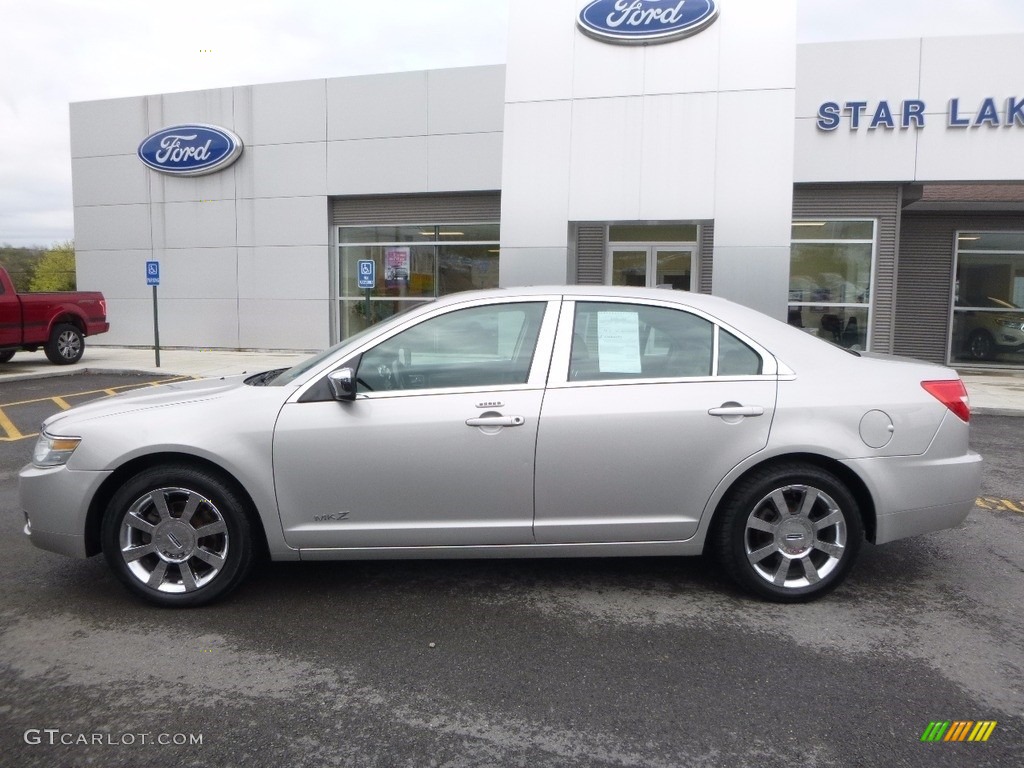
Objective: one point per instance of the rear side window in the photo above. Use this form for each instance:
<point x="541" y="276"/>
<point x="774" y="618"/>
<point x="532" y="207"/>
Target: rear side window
<point x="634" y="341"/>
<point x="735" y="358"/>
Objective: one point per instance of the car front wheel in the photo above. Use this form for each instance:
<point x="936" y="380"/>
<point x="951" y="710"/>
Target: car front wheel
<point x="789" y="533"/>
<point x="177" y="536"/>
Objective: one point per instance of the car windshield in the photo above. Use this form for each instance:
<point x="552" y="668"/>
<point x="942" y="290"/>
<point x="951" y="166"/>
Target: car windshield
<point x="999" y="303"/>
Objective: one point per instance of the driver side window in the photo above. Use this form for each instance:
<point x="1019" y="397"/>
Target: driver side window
<point x="475" y="347"/>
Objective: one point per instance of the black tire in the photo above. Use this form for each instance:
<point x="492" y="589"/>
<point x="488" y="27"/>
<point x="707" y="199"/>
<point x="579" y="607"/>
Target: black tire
<point x="981" y="345"/>
<point x="787" y="555"/>
<point x="5" y="357"/>
<point x="174" y="563"/>
<point x="66" y="344"/>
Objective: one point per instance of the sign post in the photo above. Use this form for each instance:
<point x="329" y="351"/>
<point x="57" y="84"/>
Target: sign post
<point x="153" y="279"/>
<point x="367" y="269"/>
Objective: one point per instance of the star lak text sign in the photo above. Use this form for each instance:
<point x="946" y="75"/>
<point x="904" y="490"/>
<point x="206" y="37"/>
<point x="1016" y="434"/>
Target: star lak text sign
<point x="641" y="22"/>
<point x="912" y="113"/>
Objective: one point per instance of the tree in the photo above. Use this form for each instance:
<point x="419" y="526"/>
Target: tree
<point x="20" y="264"/>
<point x="56" y="270"/>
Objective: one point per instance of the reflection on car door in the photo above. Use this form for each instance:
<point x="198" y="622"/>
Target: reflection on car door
<point x="437" y="449"/>
<point x="633" y="437"/>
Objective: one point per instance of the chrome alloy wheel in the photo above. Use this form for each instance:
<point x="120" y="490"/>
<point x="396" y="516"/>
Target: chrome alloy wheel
<point x="174" y="540"/>
<point x="69" y="345"/>
<point x="795" y="536"/>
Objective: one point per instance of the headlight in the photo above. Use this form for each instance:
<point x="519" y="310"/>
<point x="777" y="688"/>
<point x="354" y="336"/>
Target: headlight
<point x="1016" y="325"/>
<point x="53" y="451"/>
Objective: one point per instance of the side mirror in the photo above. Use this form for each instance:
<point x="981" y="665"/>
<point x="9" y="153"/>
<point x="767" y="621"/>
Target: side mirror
<point x="342" y="383"/>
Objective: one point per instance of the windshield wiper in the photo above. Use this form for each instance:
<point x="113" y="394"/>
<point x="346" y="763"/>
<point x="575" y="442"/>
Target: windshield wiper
<point x="262" y="379"/>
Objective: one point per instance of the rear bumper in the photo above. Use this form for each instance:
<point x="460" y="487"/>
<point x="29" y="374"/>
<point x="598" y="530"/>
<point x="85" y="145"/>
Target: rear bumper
<point x="916" y="494"/>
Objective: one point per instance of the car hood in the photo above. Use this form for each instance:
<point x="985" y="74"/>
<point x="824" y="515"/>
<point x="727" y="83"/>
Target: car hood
<point x="164" y="395"/>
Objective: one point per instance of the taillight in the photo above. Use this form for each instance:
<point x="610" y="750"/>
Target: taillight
<point x="951" y="393"/>
<point x="103" y="307"/>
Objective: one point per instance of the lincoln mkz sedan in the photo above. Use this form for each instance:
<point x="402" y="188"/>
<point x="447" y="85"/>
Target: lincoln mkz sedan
<point x="540" y="422"/>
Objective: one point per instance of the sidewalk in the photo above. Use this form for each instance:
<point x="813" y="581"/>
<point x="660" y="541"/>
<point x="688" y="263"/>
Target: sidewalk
<point x="992" y="392"/>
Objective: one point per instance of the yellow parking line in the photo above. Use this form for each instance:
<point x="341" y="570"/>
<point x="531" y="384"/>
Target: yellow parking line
<point x="999" y="505"/>
<point x="10" y="433"/>
<point x="13" y="433"/>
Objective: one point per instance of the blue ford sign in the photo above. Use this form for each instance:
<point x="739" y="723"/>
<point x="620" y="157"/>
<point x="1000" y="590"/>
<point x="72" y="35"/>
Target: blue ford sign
<point x="190" y="150"/>
<point x="645" y="21"/>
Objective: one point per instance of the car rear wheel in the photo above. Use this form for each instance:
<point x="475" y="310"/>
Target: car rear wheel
<point x="177" y="536"/>
<point x="5" y="357"/>
<point x="66" y="345"/>
<point x="789" y="533"/>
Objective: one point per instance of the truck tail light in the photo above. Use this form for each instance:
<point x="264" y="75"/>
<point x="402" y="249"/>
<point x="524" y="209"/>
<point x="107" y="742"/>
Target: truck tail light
<point x="951" y="393"/>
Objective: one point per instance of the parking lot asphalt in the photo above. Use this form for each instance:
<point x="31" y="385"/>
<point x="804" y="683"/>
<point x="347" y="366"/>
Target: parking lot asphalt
<point x="628" y="662"/>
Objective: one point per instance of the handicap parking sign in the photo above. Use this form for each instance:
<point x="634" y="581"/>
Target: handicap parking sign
<point x="367" y="269"/>
<point x="152" y="273"/>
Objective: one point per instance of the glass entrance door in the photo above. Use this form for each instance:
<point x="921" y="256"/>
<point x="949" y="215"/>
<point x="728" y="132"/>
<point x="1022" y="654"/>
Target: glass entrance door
<point x="650" y="266"/>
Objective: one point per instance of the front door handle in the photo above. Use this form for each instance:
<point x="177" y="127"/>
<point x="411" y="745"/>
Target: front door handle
<point x="496" y="421"/>
<point x="728" y="409"/>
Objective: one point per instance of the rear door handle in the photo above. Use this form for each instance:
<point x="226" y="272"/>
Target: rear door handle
<point x="496" y="421"/>
<point x="737" y="410"/>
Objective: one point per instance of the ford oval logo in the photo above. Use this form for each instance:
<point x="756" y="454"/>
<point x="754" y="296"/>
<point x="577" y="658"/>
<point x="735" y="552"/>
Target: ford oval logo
<point x="646" y="21"/>
<point x="190" y="150"/>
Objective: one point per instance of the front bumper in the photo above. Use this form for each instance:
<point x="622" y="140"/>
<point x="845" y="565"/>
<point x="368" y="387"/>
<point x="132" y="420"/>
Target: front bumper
<point x="56" y="502"/>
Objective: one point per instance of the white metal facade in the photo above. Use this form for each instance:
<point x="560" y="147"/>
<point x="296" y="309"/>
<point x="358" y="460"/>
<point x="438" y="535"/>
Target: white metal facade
<point x="715" y="127"/>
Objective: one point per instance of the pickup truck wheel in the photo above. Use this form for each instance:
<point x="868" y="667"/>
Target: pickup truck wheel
<point x="5" y="357"/>
<point x="66" y="345"/>
<point x="177" y="536"/>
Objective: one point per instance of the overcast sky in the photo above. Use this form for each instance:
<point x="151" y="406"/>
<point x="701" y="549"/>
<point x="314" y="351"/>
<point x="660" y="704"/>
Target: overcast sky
<point x="59" y="51"/>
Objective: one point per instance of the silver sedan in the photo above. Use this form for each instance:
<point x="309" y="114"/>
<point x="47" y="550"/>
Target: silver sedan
<point x="542" y="422"/>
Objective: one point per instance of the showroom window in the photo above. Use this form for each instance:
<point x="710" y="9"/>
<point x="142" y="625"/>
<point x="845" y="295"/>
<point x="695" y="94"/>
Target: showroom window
<point x="415" y="263"/>
<point x="988" y="319"/>
<point x="830" y="273"/>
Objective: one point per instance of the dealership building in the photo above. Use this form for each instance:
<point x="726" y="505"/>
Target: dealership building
<point x="870" y="192"/>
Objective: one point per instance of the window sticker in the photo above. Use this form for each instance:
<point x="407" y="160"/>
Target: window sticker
<point x="618" y="342"/>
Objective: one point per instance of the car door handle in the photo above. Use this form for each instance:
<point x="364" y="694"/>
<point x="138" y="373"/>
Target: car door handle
<point x="737" y="410"/>
<point x="496" y="421"/>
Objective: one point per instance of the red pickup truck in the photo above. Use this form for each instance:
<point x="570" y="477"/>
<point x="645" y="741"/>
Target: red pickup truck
<point x="58" y="322"/>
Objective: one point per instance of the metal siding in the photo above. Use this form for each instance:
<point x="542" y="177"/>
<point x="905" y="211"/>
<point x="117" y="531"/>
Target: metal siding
<point x="591" y="244"/>
<point x="864" y="201"/>
<point x="706" y="247"/>
<point x="417" y="209"/>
